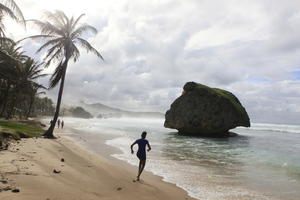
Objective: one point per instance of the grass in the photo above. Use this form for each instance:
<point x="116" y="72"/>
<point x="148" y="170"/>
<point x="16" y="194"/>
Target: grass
<point x="225" y="94"/>
<point x="17" y="130"/>
<point x="231" y="97"/>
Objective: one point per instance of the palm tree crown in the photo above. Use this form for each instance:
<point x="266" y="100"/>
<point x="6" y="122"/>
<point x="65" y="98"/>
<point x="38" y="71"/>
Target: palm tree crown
<point x="62" y="35"/>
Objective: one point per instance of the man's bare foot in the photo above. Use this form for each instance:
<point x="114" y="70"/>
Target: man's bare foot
<point x="137" y="178"/>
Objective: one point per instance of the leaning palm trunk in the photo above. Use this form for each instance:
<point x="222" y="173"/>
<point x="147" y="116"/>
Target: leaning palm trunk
<point x="49" y="132"/>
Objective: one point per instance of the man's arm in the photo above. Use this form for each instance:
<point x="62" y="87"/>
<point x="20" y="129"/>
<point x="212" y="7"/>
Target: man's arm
<point x="132" y="147"/>
<point x="149" y="147"/>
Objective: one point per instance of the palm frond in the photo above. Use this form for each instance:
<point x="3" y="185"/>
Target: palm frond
<point x="6" y="40"/>
<point x="56" y="76"/>
<point x="39" y="86"/>
<point x="49" y="43"/>
<point x="54" y="53"/>
<point x="39" y="76"/>
<point x="82" y="29"/>
<point x="55" y="19"/>
<point x="2" y="27"/>
<point x="42" y="36"/>
<point x="62" y="16"/>
<point x="18" y="13"/>
<point x="6" y="10"/>
<point x="86" y="45"/>
<point x="47" y="28"/>
<point x="77" y="20"/>
<point x="74" y="52"/>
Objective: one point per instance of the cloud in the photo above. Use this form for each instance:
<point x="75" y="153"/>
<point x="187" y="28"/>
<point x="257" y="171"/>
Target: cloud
<point x="153" y="47"/>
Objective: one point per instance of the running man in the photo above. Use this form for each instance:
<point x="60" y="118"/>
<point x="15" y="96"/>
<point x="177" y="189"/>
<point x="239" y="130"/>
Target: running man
<point x="141" y="153"/>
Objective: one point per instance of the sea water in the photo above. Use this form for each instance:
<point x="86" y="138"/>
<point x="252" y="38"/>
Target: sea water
<point x="262" y="162"/>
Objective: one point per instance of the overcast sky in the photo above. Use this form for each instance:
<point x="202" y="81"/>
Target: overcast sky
<point x="152" y="47"/>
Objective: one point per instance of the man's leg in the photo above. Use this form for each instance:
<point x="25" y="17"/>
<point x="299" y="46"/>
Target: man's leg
<point x="139" y="171"/>
<point x="142" y="164"/>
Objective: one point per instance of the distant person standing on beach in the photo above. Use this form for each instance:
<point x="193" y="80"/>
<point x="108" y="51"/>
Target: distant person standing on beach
<point x="58" y="123"/>
<point x="141" y="153"/>
<point x="62" y="124"/>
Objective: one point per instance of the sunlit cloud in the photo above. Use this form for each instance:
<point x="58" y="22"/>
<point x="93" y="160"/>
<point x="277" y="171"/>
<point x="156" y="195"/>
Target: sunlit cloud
<point x="153" y="47"/>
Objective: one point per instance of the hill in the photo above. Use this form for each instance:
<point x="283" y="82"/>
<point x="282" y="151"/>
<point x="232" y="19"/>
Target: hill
<point x="103" y="111"/>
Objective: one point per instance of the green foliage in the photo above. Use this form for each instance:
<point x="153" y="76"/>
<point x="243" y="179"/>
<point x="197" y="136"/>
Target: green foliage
<point x="18" y="130"/>
<point x="18" y="81"/>
<point x="42" y="107"/>
<point x="231" y="98"/>
<point x="223" y="94"/>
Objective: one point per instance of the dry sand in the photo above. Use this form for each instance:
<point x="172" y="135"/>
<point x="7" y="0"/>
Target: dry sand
<point x="28" y="166"/>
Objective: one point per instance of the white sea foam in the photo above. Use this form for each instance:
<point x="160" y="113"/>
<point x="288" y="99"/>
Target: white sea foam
<point x="191" y="178"/>
<point x="274" y="127"/>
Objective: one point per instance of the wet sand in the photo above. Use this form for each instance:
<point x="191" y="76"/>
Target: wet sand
<point x="60" y="169"/>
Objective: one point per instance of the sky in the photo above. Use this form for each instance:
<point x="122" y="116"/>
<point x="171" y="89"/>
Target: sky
<point x="152" y="48"/>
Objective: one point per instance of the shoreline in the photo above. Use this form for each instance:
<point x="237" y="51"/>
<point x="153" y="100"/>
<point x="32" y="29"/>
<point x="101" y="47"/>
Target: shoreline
<point x="107" y="151"/>
<point x="204" y="181"/>
<point x="29" y="165"/>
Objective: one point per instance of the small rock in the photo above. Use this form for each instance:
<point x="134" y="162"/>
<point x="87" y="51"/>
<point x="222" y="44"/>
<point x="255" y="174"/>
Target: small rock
<point x="15" y="190"/>
<point x="4" y="181"/>
<point x="119" y="188"/>
<point x="56" y="171"/>
<point x="62" y="160"/>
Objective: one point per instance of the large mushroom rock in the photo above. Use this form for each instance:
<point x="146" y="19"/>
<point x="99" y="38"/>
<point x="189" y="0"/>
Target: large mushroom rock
<point x="205" y="111"/>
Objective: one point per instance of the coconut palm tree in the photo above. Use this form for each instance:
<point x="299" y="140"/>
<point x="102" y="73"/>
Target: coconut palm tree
<point x="10" y="60"/>
<point x="11" y="9"/>
<point x="26" y="86"/>
<point x="18" y="75"/>
<point x="61" y="36"/>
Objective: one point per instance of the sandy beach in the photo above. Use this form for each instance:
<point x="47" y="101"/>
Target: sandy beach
<point x="27" y="173"/>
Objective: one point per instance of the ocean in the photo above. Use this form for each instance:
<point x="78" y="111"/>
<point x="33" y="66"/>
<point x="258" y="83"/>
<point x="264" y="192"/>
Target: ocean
<point x="262" y="162"/>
